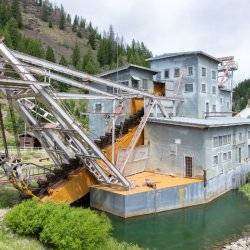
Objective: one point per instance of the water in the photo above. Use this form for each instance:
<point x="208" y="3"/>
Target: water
<point x="202" y="227"/>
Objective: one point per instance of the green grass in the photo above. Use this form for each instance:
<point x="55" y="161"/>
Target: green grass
<point x="9" y="241"/>
<point x="9" y="197"/>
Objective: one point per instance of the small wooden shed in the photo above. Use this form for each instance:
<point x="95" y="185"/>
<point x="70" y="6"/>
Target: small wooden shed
<point x="28" y="140"/>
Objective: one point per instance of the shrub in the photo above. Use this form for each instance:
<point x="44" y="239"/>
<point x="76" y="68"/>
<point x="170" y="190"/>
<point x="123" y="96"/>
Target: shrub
<point x="29" y="217"/>
<point x="79" y="229"/>
<point x="58" y="225"/>
<point x="245" y="190"/>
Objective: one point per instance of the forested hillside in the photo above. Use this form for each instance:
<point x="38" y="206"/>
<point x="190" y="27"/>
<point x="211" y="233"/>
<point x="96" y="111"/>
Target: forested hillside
<point x="241" y="95"/>
<point x="41" y="29"/>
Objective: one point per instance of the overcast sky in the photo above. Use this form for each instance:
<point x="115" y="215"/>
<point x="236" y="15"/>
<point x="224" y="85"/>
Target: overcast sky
<point x="218" y="27"/>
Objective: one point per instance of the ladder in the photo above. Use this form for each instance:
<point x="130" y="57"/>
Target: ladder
<point x="137" y="134"/>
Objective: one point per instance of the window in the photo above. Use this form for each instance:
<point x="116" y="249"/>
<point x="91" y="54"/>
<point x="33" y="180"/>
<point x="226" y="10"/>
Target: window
<point x="229" y="139"/>
<point x="214" y="108"/>
<point x="190" y="71"/>
<point x="248" y="151"/>
<point x="189" y="87"/>
<point x="216" y="160"/>
<point x="213" y="74"/>
<point x="135" y="84"/>
<point x="221" y="100"/>
<point x="158" y="76"/>
<point x="145" y="84"/>
<point x="224" y="139"/>
<point x="220" y="141"/>
<point x="98" y="107"/>
<point x="203" y="87"/>
<point x="248" y="134"/>
<point x="239" y="155"/>
<point x="176" y="72"/>
<point x="240" y="136"/>
<point x="214" y="90"/>
<point x="215" y="142"/>
<point x="227" y="105"/>
<point x="203" y="72"/>
<point x="166" y="73"/>
<point x="125" y="83"/>
<point x="229" y="155"/>
<point x="224" y="156"/>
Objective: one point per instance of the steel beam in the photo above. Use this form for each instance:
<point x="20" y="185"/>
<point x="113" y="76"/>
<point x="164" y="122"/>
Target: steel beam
<point x="86" y="77"/>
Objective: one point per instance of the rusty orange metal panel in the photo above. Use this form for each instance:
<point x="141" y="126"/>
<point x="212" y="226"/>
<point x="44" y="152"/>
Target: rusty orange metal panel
<point x="136" y="105"/>
<point x="123" y="143"/>
<point x="75" y="187"/>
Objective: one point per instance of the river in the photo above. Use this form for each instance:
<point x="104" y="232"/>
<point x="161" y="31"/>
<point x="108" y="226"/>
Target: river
<point x="202" y="227"/>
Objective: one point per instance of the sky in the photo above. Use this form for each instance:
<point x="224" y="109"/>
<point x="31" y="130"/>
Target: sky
<point x="218" y="27"/>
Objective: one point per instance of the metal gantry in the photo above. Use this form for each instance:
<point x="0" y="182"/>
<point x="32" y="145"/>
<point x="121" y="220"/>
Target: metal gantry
<point x="65" y="139"/>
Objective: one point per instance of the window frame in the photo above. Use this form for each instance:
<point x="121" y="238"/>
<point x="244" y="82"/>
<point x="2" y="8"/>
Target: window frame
<point x="179" y="72"/>
<point x="215" y="162"/>
<point x="95" y="108"/>
<point x="213" y="74"/>
<point x="203" y="90"/>
<point x="168" y="75"/>
<point x="203" y="69"/>
<point x="189" y="84"/>
<point x="192" y="70"/>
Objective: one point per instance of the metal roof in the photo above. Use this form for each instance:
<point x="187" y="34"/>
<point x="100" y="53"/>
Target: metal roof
<point x="169" y="55"/>
<point x="202" y="123"/>
<point x="125" y="67"/>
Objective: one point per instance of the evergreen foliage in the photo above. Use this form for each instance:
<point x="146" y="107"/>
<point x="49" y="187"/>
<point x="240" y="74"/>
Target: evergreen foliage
<point x="76" y="56"/>
<point x="50" y="56"/>
<point x="16" y="12"/>
<point x="104" y="51"/>
<point x="241" y="95"/>
<point x="62" y="21"/>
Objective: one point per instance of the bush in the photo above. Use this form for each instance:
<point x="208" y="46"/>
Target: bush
<point x="77" y="229"/>
<point x="245" y="190"/>
<point x="29" y="217"/>
<point x="59" y="226"/>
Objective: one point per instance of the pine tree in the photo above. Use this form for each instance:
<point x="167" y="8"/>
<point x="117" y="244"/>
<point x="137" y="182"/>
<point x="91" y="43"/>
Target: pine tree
<point x="89" y="63"/>
<point x="62" y="19"/>
<point x="63" y="61"/>
<point x="50" y="56"/>
<point x="40" y="2"/>
<point x="75" y="24"/>
<point x="16" y="12"/>
<point x="45" y="11"/>
<point x="92" y="39"/>
<point x="12" y="34"/>
<point x="50" y="24"/>
<point x="68" y="19"/>
<point x="76" y="56"/>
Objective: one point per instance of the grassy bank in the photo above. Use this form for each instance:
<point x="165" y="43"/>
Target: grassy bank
<point x="9" y="197"/>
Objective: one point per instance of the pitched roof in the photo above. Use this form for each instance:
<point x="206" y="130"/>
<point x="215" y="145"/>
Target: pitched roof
<point x="125" y="67"/>
<point x="169" y="55"/>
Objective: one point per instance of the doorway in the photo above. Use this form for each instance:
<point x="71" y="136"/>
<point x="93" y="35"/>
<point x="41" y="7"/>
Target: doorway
<point x="189" y="166"/>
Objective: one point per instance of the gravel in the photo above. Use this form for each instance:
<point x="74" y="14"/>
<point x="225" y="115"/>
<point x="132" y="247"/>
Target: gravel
<point x="241" y="244"/>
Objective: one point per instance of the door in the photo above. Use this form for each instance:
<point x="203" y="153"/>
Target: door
<point x="189" y="166"/>
<point x="207" y="108"/>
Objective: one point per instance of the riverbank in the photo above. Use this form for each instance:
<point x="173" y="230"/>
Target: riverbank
<point x="241" y="244"/>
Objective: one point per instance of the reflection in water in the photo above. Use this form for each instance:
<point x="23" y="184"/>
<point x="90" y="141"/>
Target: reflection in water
<point x="201" y="227"/>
